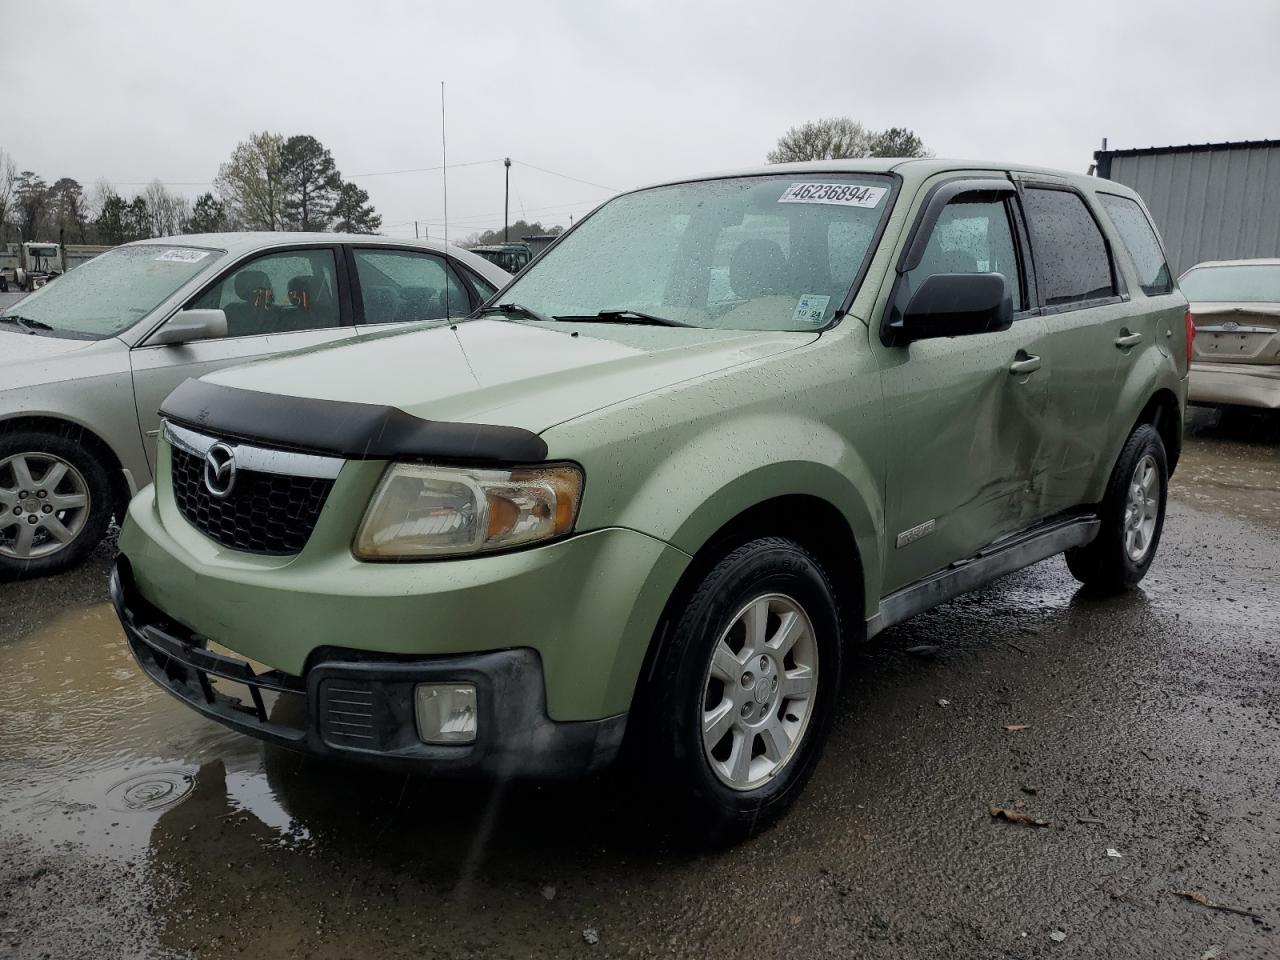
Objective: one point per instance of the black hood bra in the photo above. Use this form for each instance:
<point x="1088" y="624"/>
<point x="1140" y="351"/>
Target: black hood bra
<point x="354" y="431"/>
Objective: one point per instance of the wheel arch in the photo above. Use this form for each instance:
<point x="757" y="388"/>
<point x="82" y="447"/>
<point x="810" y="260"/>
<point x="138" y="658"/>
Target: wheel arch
<point x="91" y="440"/>
<point x="1163" y="412"/>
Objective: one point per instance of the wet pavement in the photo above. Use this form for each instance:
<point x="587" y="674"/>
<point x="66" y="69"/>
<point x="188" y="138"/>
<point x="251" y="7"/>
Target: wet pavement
<point x="131" y="827"/>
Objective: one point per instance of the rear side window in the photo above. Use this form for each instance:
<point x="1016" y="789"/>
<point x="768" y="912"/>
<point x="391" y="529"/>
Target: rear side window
<point x="1072" y="265"/>
<point x="1140" y="240"/>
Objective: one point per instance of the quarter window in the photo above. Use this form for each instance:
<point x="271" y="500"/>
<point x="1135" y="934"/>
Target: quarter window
<point x="971" y="237"/>
<point x="1140" y="240"/>
<point x="400" y="286"/>
<point x="1072" y="265"/>
<point x="278" y="293"/>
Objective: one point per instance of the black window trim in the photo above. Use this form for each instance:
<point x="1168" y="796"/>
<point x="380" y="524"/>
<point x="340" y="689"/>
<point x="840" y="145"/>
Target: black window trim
<point x="1121" y="294"/>
<point x="452" y="263"/>
<point x="1146" y="215"/>
<point x="936" y="199"/>
<point x="344" y="312"/>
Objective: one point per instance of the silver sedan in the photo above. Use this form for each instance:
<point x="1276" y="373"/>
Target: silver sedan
<point x="86" y="360"/>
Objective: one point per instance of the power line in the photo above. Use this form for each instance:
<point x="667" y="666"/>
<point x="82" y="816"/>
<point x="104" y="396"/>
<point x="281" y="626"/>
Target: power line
<point x="565" y="176"/>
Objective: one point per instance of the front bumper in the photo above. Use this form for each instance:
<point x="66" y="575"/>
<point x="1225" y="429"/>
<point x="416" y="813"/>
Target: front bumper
<point x="1237" y="384"/>
<point x="355" y="705"/>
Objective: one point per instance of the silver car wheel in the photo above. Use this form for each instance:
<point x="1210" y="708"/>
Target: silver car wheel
<point x="44" y="504"/>
<point x="759" y="691"/>
<point x="1142" y="509"/>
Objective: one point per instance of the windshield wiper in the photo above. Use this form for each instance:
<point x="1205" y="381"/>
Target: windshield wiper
<point x="26" y="323"/>
<point x="512" y="309"/>
<point x="628" y="316"/>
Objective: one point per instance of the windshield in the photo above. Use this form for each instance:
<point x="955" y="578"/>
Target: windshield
<point x="1250" y="282"/>
<point x="753" y="253"/>
<point x="112" y="292"/>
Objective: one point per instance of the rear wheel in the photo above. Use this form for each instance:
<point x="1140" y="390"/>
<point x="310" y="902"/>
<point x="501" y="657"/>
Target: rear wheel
<point x="55" y="503"/>
<point x="1132" y="517"/>
<point x="741" y="700"/>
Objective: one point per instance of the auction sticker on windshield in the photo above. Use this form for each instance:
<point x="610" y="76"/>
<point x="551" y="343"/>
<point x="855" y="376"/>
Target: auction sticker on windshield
<point x="843" y="194"/>
<point x="183" y="256"/>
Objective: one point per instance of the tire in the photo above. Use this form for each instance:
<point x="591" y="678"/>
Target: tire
<point x="1121" y="554"/>
<point x="722" y="800"/>
<point x="71" y="513"/>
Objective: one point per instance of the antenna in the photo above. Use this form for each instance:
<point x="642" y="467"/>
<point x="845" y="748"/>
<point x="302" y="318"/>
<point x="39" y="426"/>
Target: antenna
<point x="444" y="179"/>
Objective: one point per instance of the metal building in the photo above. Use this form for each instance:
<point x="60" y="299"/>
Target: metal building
<point x="1210" y="201"/>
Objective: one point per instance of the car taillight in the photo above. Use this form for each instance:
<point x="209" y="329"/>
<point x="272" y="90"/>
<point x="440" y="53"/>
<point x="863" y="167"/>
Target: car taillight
<point x="1191" y="334"/>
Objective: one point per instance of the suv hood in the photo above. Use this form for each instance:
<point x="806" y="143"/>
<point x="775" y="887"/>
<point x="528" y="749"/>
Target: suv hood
<point x="529" y="375"/>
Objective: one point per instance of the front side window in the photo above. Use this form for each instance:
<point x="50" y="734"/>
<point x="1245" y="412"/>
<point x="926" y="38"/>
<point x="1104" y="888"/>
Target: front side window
<point x="751" y="253"/>
<point x="110" y="293"/>
<point x="1072" y="264"/>
<point x="278" y="293"/>
<point x="400" y="286"/>
<point x="1140" y="240"/>
<point x="971" y="237"/>
<point x="1237" y="282"/>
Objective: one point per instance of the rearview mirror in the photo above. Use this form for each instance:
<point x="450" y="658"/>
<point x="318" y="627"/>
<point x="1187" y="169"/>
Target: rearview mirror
<point x="957" y="305"/>
<point x="189" y="325"/>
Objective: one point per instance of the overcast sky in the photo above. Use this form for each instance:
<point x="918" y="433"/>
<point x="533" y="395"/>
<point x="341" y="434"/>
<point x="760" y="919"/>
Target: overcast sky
<point x="616" y="94"/>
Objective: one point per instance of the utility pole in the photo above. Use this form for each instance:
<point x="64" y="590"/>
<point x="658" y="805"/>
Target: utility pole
<point x="506" y="199"/>
<point x="415" y="229"/>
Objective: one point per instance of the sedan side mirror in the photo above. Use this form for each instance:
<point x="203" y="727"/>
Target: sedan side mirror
<point x="957" y="305"/>
<point x="188" y="325"/>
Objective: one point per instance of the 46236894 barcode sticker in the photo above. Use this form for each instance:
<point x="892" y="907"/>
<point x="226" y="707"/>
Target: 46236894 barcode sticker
<point x="840" y="194"/>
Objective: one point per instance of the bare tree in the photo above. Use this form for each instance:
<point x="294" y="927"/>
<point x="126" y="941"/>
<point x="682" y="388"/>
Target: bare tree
<point x="842" y="138"/>
<point x="835" y="138"/>
<point x="168" y="211"/>
<point x="249" y="183"/>
<point x="8" y="173"/>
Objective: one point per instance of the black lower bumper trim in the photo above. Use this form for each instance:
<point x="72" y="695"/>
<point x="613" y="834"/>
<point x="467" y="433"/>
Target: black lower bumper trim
<point x="363" y="708"/>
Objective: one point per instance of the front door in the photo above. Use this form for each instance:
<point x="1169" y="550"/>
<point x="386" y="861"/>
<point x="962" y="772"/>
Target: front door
<point x="964" y="414"/>
<point x="284" y="300"/>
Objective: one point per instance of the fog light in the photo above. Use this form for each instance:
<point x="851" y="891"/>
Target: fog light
<point x="446" y="712"/>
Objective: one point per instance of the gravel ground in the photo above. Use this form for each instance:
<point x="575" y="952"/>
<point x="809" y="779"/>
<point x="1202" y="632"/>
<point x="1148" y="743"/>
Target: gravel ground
<point x="130" y="827"/>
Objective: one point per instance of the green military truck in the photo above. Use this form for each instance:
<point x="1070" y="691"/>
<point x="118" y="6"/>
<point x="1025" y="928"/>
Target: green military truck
<point x="642" y="501"/>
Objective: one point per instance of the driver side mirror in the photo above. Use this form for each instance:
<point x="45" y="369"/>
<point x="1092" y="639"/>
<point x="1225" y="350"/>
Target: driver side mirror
<point x="956" y="305"/>
<point x="188" y="325"/>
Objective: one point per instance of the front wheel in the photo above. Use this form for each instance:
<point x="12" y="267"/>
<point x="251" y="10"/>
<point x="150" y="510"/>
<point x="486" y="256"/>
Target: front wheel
<point x="741" y="699"/>
<point x="55" y="503"/>
<point x="1132" y="517"/>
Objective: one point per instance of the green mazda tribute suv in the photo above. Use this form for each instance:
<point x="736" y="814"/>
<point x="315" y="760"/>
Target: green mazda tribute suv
<point x="640" y="502"/>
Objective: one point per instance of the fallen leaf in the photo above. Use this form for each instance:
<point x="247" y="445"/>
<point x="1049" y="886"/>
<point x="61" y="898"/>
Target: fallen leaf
<point x="944" y="703"/>
<point x="1011" y="727"/>
<point x="1016" y="816"/>
<point x="1058" y="936"/>
<point x="591" y="935"/>
<point x="1113" y="852"/>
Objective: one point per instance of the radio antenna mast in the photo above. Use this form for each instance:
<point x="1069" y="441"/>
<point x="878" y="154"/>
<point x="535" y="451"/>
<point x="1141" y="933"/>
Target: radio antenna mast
<point x="444" y="179"/>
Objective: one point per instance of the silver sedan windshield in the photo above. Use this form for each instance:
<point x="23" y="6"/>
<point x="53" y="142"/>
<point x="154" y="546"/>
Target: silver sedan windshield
<point x="112" y="292"/>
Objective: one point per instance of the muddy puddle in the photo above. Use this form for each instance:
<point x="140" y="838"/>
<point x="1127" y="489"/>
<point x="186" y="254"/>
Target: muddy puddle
<point x="93" y="753"/>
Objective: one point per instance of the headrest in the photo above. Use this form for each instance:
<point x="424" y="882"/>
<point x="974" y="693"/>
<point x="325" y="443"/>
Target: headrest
<point x="253" y="286"/>
<point x="302" y="291"/>
<point x="757" y="268"/>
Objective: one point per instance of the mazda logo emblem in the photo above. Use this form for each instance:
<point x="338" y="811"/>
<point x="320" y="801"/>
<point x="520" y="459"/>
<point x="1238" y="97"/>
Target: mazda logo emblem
<point x="220" y="470"/>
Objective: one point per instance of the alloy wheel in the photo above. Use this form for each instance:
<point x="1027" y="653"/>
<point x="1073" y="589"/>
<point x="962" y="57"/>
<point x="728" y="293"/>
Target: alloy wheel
<point x="759" y="691"/>
<point x="1142" y="509"/>
<point x="44" y="504"/>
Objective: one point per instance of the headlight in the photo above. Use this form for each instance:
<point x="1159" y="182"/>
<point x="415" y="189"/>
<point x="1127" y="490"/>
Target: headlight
<point x="420" y="511"/>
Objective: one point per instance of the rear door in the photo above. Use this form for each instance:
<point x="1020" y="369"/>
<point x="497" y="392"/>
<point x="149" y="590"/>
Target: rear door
<point x="284" y="299"/>
<point x="395" y="286"/>
<point x="965" y="413"/>
<point x="1092" y="330"/>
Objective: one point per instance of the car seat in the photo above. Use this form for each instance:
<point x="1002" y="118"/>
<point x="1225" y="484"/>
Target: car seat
<point x="251" y="313"/>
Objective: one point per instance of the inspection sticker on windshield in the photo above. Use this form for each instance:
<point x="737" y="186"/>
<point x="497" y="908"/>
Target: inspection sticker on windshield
<point x="842" y="194"/>
<point x="183" y="256"/>
<point x="811" y="309"/>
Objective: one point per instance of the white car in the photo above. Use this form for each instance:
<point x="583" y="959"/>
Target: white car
<point x="85" y="361"/>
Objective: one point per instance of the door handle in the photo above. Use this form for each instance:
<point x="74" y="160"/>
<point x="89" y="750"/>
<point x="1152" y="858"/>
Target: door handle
<point x="1028" y="364"/>
<point x="1128" y="340"/>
